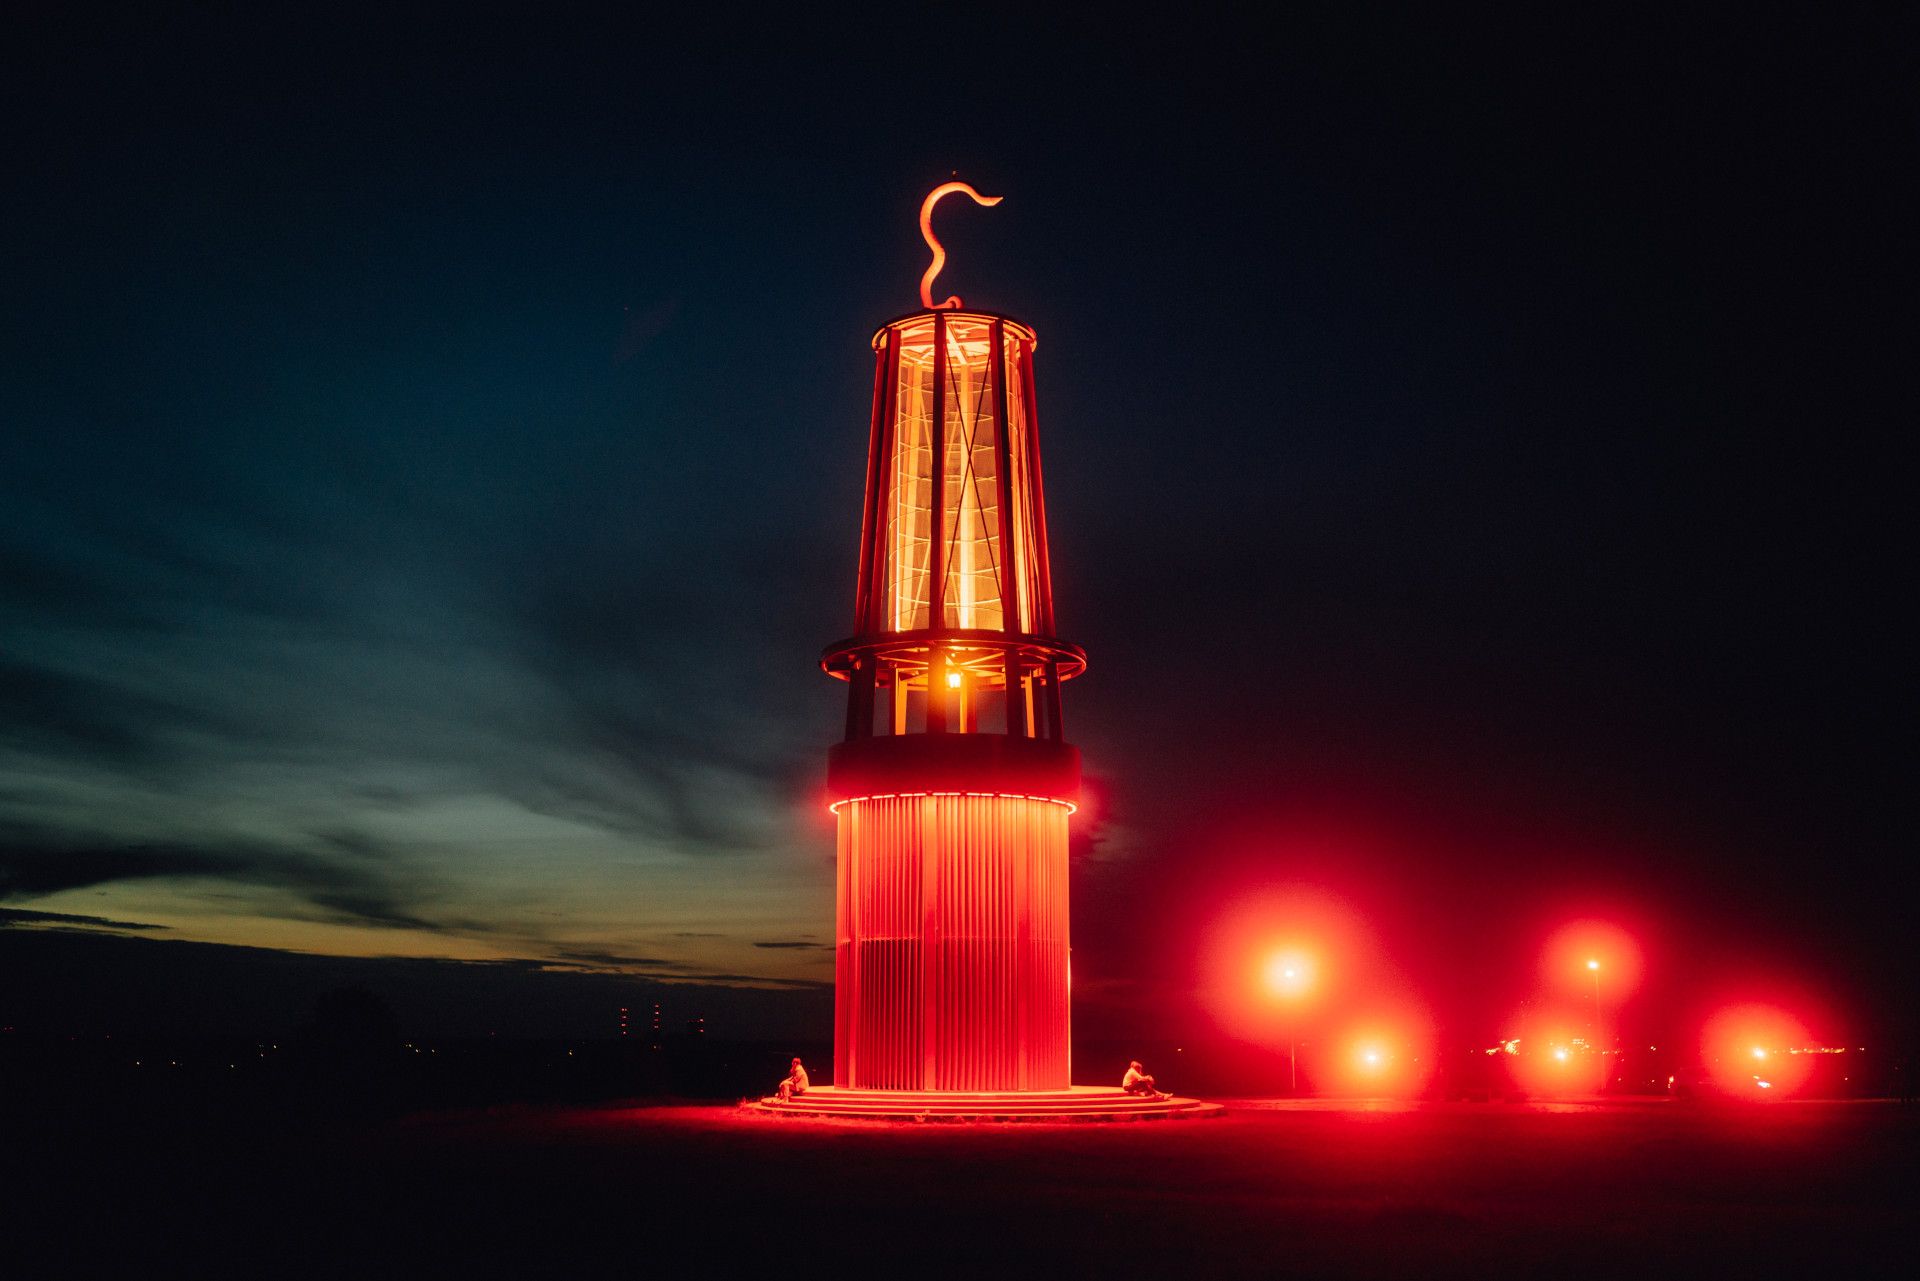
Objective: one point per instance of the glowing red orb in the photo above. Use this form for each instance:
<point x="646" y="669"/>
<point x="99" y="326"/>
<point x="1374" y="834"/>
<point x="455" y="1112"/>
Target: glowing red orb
<point x="1757" y="1051"/>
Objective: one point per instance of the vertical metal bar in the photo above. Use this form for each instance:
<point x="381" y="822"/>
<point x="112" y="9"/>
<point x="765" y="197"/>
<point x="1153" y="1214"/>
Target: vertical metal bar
<point x="860" y="698"/>
<point x="1055" y="730"/>
<point x="933" y="842"/>
<point x="1043" y="593"/>
<point x="1017" y="837"/>
<point x="885" y="501"/>
<point x="936" y="690"/>
<point x="1018" y="718"/>
<point x="858" y="834"/>
<point x="937" y="508"/>
<point x="853" y="703"/>
<point x="1018" y="721"/>
<point x="1010" y="619"/>
<point x="843" y="988"/>
<point x="937" y="531"/>
<point x="1065" y="925"/>
<point x="870" y="509"/>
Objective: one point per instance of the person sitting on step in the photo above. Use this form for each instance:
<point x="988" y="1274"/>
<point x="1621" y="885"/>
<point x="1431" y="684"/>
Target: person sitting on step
<point x="796" y="1082"/>
<point x="1138" y="1082"/>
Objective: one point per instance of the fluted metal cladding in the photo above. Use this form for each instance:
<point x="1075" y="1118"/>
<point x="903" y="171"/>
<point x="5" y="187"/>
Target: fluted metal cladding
<point x="951" y="958"/>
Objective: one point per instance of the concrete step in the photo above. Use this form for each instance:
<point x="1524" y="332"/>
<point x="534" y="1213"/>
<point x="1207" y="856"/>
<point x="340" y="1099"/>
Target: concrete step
<point x="1078" y="1103"/>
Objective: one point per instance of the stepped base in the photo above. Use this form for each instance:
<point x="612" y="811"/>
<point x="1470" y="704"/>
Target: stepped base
<point x="1079" y="1103"/>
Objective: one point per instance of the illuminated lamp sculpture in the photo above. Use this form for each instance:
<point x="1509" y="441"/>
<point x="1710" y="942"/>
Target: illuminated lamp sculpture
<point x="954" y="783"/>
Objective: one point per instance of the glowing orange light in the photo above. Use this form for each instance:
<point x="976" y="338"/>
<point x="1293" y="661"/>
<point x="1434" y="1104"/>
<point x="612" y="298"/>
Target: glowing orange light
<point x="1581" y="953"/>
<point x="1551" y="1057"/>
<point x="1388" y="1053"/>
<point x="1737" y="1037"/>
<point x="940" y="254"/>
<point x="1069" y="806"/>
<point x="948" y="1032"/>
<point x="1287" y="973"/>
<point x="953" y="680"/>
<point x="1258" y="936"/>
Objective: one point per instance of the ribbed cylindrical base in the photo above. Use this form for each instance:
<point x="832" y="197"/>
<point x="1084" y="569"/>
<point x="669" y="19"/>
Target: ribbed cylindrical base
<point x="951" y="958"/>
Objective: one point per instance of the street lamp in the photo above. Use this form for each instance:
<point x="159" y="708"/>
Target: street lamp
<point x="1593" y="1026"/>
<point x="1287" y="976"/>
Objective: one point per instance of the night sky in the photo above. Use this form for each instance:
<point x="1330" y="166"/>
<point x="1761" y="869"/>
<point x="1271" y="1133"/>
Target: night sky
<point x="432" y="456"/>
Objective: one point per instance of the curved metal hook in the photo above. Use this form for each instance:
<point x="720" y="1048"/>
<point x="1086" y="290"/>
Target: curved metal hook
<point x="940" y="254"/>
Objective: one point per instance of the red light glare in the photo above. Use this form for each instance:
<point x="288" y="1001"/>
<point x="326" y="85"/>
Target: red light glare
<point x="1276" y="958"/>
<point x="1551" y="1055"/>
<point x="1585" y="953"/>
<point x="1289" y="973"/>
<point x="1390" y="1055"/>
<point x="1741" y="1042"/>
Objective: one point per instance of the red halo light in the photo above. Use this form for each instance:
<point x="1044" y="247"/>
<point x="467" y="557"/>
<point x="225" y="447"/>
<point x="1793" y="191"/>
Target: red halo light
<point x="1755" y="1050"/>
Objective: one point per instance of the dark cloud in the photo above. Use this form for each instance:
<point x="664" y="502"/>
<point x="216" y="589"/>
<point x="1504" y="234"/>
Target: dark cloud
<point x="796" y="944"/>
<point x="367" y="891"/>
<point x="760" y="980"/>
<point x="11" y="916"/>
<point x="90" y="717"/>
<point x="30" y="870"/>
<point x="615" y="960"/>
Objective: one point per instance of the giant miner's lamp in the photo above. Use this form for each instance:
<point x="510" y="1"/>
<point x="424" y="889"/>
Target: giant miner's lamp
<point x="954" y="784"/>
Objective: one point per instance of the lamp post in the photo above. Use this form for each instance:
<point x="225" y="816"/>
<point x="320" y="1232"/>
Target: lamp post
<point x="1293" y="1052"/>
<point x="1593" y="1024"/>
<point x="1286" y="976"/>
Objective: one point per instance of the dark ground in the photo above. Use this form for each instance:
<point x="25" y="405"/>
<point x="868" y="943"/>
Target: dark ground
<point x="1622" y="1187"/>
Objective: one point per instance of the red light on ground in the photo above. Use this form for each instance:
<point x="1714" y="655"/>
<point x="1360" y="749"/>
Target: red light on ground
<point x="1740" y="1038"/>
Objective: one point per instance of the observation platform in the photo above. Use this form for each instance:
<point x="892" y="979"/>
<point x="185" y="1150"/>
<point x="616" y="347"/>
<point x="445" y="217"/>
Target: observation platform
<point x="1077" y="1103"/>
